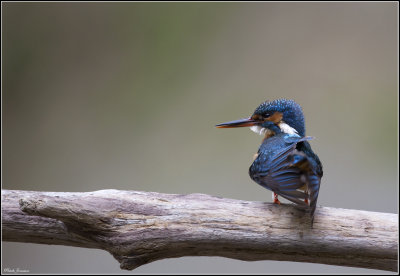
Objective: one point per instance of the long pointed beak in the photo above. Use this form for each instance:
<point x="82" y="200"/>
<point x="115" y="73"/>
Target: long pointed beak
<point x="238" y="123"/>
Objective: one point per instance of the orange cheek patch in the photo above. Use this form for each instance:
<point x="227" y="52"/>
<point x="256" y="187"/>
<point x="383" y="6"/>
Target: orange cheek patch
<point x="276" y="117"/>
<point x="256" y="117"/>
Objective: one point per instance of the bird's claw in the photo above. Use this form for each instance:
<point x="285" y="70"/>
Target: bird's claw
<point x="276" y="200"/>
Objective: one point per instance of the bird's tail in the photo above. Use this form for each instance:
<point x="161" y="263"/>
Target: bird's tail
<point x="313" y="189"/>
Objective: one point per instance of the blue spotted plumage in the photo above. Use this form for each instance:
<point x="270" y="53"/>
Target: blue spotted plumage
<point x="285" y="162"/>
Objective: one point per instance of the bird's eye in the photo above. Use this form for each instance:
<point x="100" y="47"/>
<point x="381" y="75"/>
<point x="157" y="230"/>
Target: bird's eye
<point x="267" y="114"/>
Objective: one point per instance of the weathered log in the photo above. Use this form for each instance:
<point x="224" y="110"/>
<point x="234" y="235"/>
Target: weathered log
<point x="141" y="227"/>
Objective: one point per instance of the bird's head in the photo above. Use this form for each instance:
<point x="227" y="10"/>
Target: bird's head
<point x="270" y="117"/>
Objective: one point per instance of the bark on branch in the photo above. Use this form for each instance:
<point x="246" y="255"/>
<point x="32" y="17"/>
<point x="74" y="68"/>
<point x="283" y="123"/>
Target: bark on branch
<point x="141" y="227"/>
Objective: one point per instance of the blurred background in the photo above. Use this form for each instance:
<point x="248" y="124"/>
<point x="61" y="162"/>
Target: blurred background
<point x="126" y="96"/>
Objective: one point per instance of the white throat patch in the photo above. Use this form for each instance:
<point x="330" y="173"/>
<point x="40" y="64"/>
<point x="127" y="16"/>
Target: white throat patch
<point x="260" y="130"/>
<point x="285" y="128"/>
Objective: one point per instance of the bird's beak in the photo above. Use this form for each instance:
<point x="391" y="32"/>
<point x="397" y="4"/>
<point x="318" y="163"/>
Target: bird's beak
<point x="238" y="123"/>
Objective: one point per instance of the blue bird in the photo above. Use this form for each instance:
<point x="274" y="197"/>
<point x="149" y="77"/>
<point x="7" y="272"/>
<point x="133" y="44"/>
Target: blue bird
<point x="285" y="162"/>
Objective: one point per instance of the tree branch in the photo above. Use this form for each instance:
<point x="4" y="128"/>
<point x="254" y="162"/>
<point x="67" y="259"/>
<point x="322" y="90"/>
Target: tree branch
<point x="141" y="227"/>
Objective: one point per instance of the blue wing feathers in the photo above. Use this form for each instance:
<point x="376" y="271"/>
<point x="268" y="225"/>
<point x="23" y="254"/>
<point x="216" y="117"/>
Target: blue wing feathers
<point x="284" y="168"/>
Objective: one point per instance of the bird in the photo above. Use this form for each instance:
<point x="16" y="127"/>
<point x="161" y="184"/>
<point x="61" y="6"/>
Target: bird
<point x="284" y="162"/>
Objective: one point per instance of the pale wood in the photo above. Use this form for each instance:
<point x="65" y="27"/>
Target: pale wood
<point x="141" y="227"/>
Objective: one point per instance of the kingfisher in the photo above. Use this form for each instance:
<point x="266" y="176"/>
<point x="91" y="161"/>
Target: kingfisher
<point x="285" y="162"/>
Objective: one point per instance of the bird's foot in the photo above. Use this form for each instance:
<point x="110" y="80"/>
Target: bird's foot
<point x="276" y="200"/>
<point x="306" y="201"/>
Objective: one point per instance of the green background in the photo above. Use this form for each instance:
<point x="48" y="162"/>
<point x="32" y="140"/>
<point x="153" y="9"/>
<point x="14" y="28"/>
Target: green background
<point x="126" y="96"/>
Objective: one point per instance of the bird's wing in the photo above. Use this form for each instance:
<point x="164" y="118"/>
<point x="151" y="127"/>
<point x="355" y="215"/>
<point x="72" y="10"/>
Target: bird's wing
<point x="291" y="176"/>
